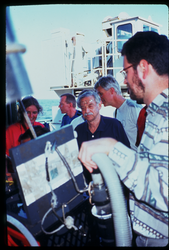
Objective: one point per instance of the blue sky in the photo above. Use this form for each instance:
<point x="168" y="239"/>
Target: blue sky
<point x="33" y="24"/>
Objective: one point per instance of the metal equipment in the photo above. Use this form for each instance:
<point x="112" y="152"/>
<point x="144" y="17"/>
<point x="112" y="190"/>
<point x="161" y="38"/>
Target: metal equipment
<point x="17" y="81"/>
<point x="121" y="221"/>
<point x="102" y="209"/>
<point x="51" y="185"/>
<point x="40" y="172"/>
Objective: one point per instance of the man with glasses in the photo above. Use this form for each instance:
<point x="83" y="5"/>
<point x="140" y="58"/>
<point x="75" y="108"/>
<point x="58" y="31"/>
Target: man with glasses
<point x="127" y="110"/>
<point x="144" y="172"/>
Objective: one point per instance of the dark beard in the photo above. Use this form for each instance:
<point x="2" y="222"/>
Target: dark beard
<point x="140" y="101"/>
<point x="139" y="83"/>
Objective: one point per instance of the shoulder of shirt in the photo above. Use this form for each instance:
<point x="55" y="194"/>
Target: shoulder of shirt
<point x="110" y="120"/>
<point x="163" y="96"/>
<point x="77" y="119"/>
<point x="65" y="117"/>
<point x="165" y="93"/>
<point x="38" y="123"/>
<point x="78" y="112"/>
<point x="107" y="118"/>
<point x="161" y="101"/>
<point x="81" y="125"/>
<point x="14" y="126"/>
<point x="133" y="103"/>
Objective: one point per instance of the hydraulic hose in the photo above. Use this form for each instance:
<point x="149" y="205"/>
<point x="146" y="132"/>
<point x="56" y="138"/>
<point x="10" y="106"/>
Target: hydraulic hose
<point x="69" y="170"/>
<point x="23" y="230"/>
<point x="120" y="217"/>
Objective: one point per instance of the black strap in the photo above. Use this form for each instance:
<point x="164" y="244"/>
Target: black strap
<point x="115" y="113"/>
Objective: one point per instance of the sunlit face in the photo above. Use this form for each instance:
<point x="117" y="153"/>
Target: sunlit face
<point x="135" y="85"/>
<point x="32" y="112"/>
<point x="63" y="105"/>
<point x="90" y="109"/>
<point x="105" y="96"/>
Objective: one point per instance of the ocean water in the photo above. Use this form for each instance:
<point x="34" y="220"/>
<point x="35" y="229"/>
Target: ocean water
<point x="47" y="108"/>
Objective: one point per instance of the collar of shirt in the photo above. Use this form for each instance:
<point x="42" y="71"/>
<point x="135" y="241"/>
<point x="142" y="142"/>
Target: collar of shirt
<point x="100" y="127"/>
<point x="158" y="101"/>
<point x="120" y="109"/>
<point x="78" y="112"/>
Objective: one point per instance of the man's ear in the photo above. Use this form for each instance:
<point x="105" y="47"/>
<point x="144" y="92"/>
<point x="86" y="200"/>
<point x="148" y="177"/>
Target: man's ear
<point x="70" y="104"/>
<point x="111" y="90"/>
<point x="143" y="69"/>
<point x="100" y="105"/>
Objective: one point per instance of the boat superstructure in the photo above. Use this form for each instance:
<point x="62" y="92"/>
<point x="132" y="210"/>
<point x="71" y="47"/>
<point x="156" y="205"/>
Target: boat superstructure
<point x="77" y="65"/>
<point x="72" y="65"/>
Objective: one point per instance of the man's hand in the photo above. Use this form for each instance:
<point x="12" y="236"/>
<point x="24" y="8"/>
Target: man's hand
<point x="102" y="145"/>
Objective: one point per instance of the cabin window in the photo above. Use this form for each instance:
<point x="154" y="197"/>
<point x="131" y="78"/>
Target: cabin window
<point x="109" y="60"/>
<point x="109" y="47"/>
<point x="109" y="32"/>
<point x="89" y="65"/>
<point x="97" y="62"/>
<point x="154" y="29"/>
<point x="146" y="27"/>
<point x="124" y="32"/>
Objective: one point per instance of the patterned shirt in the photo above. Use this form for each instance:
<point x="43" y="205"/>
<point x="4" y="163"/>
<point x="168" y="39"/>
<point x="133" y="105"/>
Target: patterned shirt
<point x="145" y="172"/>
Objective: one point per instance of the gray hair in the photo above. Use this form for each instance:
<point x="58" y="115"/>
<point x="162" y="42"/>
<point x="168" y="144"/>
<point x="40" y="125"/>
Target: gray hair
<point x="107" y="82"/>
<point x="86" y="93"/>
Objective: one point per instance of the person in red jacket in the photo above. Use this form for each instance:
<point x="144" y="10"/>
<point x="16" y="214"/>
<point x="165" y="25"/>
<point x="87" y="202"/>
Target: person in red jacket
<point x="15" y="130"/>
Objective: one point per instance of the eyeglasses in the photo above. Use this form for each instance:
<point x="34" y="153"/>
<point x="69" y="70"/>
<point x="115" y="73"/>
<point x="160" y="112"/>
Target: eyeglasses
<point x="123" y="71"/>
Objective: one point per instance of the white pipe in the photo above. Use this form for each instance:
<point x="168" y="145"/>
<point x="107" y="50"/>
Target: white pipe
<point x="15" y="48"/>
<point x="23" y="230"/>
<point x="120" y="217"/>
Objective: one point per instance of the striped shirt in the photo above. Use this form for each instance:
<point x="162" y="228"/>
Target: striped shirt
<point x="145" y="172"/>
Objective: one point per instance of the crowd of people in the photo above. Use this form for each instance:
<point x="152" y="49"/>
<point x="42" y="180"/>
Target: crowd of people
<point x="136" y="139"/>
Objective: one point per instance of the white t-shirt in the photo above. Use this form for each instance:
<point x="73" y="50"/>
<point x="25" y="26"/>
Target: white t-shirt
<point x="75" y="122"/>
